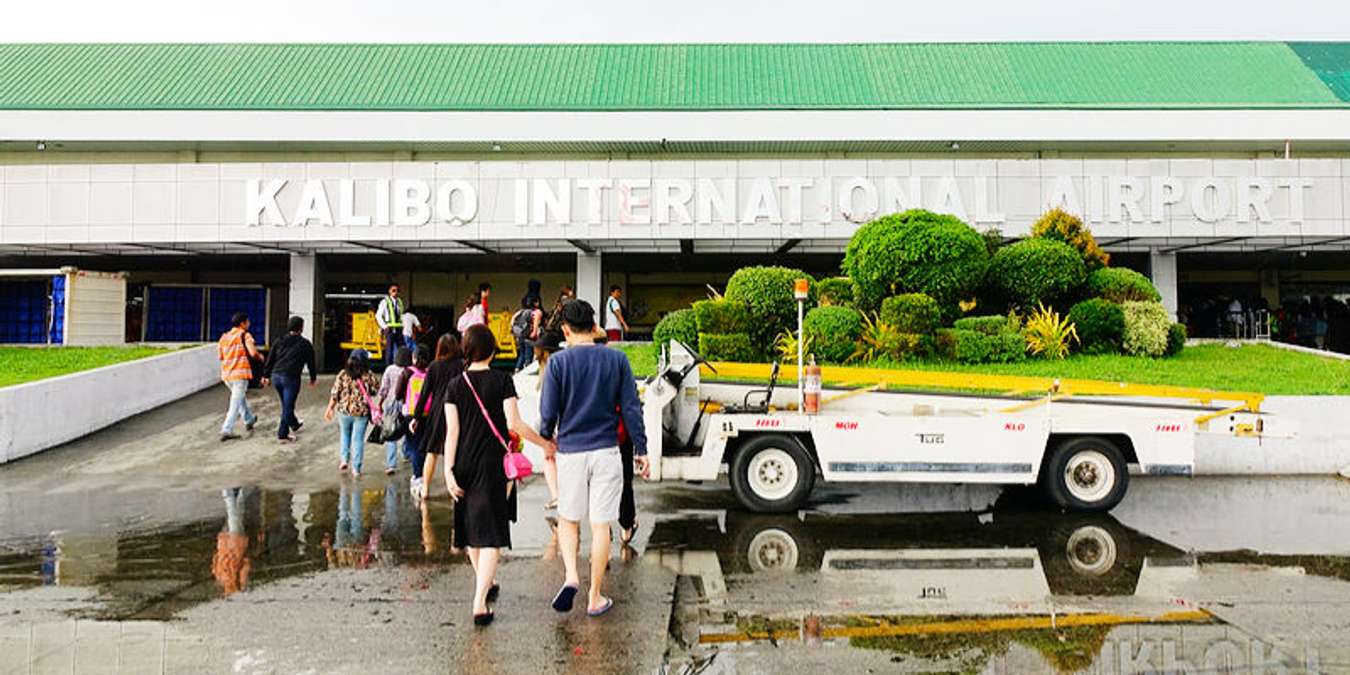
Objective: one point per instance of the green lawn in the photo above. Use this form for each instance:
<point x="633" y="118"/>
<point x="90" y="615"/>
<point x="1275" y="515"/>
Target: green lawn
<point x="1258" y="368"/>
<point x="26" y="364"/>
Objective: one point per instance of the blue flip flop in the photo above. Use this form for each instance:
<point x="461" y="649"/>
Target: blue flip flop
<point x="562" y="602"/>
<point x="609" y="604"/>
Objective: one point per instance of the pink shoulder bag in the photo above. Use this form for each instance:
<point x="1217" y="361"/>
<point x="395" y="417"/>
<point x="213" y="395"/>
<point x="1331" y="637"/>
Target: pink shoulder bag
<point x="375" y="413"/>
<point x="515" y="463"/>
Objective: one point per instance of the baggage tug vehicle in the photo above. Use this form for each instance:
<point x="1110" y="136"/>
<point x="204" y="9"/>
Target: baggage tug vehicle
<point x="1077" y="440"/>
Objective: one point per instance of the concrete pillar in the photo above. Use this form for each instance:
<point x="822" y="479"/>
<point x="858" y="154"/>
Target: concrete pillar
<point x="1163" y="271"/>
<point x="306" y="297"/>
<point x="589" y="280"/>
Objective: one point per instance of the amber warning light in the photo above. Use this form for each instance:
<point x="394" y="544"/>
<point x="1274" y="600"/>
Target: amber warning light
<point x="801" y="289"/>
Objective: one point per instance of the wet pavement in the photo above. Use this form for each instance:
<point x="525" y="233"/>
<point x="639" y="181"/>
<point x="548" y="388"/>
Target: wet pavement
<point x="152" y="547"/>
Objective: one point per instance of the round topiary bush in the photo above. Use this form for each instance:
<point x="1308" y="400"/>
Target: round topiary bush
<point x="992" y="324"/>
<point x="1062" y="226"/>
<point x="835" y="291"/>
<point x="1119" y="284"/>
<point x="1100" y="324"/>
<point x="911" y="313"/>
<point x="834" y="332"/>
<point x="1036" y="272"/>
<point x="767" y="293"/>
<point x="916" y="251"/>
<point x="1146" y="328"/>
<point x="676" y="325"/>
<point x="1176" y="339"/>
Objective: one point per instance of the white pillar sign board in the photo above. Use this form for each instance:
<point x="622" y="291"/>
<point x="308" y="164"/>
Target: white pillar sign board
<point x="714" y="199"/>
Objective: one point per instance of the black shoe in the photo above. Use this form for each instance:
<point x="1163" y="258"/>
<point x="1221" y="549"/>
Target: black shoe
<point x="483" y="619"/>
<point x="297" y="425"/>
<point x="493" y="592"/>
<point x="229" y="436"/>
<point x="248" y="426"/>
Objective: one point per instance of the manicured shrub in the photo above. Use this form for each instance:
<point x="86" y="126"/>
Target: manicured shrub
<point x="677" y="325"/>
<point x="1176" y="339"/>
<point x="992" y="324"/>
<point x="767" y="293"/>
<point x="836" y="291"/>
<point x="911" y="313"/>
<point x="1100" y="324"/>
<point x="970" y="346"/>
<point x="726" y="347"/>
<point x="1062" y="226"/>
<point x="944" y="343"/>
<point x="1120" y="284"/>
<point x="1146" y="328"/>
<point x="916" y="251"/>
<point x="834" y="332"/>
<point x="721" y="317"/>
<point x="1036" y="272"/>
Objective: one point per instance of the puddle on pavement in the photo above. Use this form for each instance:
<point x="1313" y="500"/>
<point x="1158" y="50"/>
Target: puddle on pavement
<point x="143" y="563"/>
<point x="1034" y="591"/>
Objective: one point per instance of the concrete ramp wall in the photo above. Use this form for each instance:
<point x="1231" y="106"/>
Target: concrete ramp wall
<point x="39" y="415"/>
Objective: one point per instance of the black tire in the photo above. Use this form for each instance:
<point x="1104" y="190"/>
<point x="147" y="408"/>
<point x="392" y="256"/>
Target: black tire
<point x="770" y="544"/>
<point x="1100" y="475"/>
<point x="1090" y="555"/>
<point x="767" y="455"/>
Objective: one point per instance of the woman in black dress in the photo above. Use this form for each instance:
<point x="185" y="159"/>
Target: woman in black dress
<point x="480" y="411"/>
<point x="430" y="426"/>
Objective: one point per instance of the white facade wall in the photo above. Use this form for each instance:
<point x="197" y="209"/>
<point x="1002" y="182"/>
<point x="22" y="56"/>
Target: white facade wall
<point x="35" y="416"/>
<point x="662" y="199"/>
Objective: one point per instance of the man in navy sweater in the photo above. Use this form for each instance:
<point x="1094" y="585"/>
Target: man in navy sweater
<point x="587" y="389"/>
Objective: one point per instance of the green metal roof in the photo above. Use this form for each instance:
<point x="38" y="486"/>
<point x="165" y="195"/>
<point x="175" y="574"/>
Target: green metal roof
<point x="425" y="77"/>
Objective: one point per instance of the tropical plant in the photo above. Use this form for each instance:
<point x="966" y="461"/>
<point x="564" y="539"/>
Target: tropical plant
<point x="916" y="251"/>
<point x="1146" y="328"/>
<point x="785" y="345"/>
<point x="1062" y="226"/>
<point x="880" y="340"/>
<point x="1120" y="284"/>
<point x="1047" y="335"/>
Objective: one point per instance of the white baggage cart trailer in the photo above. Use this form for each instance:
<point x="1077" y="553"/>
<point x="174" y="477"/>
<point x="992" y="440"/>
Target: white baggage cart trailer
<point x="1079" y="451"/>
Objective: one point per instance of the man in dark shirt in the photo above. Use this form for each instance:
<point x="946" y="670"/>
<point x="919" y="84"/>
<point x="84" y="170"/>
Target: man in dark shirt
<point x="290" y="353"/>
<point x="587" y="389"/>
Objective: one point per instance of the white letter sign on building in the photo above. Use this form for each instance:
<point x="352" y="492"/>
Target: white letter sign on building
<point x="715" y="199"/>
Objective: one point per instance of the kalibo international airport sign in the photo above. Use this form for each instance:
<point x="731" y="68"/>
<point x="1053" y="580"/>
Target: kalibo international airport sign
<point x="660" y="199"/>
<point x="791" y="200"/>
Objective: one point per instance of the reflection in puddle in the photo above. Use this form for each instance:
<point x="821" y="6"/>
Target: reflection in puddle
<point x="152" y="571"/>
<point x="954" y="592"/>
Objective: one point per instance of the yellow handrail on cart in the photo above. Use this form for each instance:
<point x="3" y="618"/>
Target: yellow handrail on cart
<point x="853" y="376"/>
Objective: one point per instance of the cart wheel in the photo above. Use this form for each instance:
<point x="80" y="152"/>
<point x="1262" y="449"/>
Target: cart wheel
<point x="1090" y="555"/>
<point x="1086" y="474"/>
<point x="772" y="474"/>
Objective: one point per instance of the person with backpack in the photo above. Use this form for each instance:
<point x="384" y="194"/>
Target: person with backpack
<point x="410" y="391"/>
<point x="525" y="325"/>
<point x="352" y="400"/>
<point x="388" y="401"/>
<point x="553" y="331"/>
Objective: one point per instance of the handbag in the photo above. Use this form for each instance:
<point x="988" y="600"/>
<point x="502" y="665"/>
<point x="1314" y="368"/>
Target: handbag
<point x="515" y="463"/>
<point x="376" y="434"/>
<point x="255" y="368"/>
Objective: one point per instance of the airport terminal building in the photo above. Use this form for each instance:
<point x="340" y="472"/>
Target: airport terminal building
<point x="302" y="179"/>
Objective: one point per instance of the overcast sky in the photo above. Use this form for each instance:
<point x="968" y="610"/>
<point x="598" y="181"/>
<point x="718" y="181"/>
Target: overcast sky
<point x="667" y="20"/>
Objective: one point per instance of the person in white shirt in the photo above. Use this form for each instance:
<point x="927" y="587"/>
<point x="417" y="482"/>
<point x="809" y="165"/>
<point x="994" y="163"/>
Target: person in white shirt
<point x="411" y="326"/>
<point x="389" y="317"/>
<point x="615" y="322"/>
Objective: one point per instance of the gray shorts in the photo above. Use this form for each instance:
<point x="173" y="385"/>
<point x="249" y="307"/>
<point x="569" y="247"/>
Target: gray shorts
<point x="590" y="484"/>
